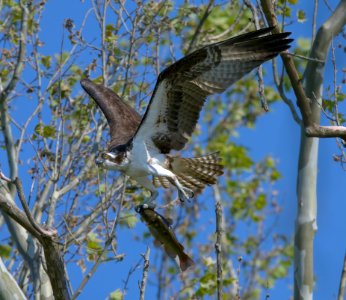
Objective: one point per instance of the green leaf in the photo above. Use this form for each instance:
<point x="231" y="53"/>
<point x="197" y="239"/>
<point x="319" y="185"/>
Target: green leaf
<point x="275" y="175"/>
<point x="287" y="11"/>
<point x="130" y="220"/>
<point x="46" y="61"/>
<point x="5" y="251"/>
<point x="340" y="97"/>
<point x="304" y="44"/>
<point x="301" y="16"/>
<point x="47" y="131"/>
<point x="116" y="295"/>
<point x="93" y="245"/>
<point x="260" y="202"/>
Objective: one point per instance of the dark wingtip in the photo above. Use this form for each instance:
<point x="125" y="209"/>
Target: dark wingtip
<point x="95" y="91"/>
<point x="86" y="83"/>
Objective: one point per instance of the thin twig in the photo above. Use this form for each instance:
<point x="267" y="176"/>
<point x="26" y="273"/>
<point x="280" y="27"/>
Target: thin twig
<point x="4" y="117"/>
<point x="260" y="68"/>
<point x="218" y="244"/>
<point x="336" y="109"/>
<point x="228" y="31"/>
<point x="280" y="87"/>
<point x="341" y="293"/>
<point x="130" y="53"/>
<point x="305" y="57"/>
<point x="314" y="20"/>
<point x="46" y="233"/>
<point x="10" y="209"/>
<point x="21" y="53"/>
<point x="237" y="283"/>
<point x="334" y="24"/>
<point x="129" y="274"/>
<point x="145" y="274"/>
<point x="199" y="26"/>
<point x="107" y="243"/>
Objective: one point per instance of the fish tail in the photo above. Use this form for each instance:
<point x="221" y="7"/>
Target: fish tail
<point x="185" y="262"/>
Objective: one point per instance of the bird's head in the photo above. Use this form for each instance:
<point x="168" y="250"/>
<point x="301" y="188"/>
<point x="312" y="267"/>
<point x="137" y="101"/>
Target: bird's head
<point x="113" y="160"/>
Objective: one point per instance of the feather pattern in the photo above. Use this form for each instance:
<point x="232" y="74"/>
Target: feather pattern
<point x="182" y="88"/>
<point x="195" y="173"/>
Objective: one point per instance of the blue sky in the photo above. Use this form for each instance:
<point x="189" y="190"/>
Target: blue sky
<point x="275" y="134"/>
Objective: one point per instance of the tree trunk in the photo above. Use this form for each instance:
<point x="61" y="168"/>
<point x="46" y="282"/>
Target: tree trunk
<point x="9" y="288"/>
<point x="306" y="223"/>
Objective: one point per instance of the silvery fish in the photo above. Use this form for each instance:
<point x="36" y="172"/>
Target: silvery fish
<point x="162" y="231"/>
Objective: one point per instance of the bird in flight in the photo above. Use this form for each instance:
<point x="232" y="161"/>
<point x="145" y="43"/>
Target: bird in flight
<point x="141" y="146"/>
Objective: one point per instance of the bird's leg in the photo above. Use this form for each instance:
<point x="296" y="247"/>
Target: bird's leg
<point x="184" y="193"/>
<point x="158" y="170"/>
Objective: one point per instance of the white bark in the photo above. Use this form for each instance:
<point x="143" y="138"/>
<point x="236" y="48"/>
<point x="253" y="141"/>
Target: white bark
<point x="9" y="288"/>
<point x="306" y="223"/>
<point x="28" y="249"/>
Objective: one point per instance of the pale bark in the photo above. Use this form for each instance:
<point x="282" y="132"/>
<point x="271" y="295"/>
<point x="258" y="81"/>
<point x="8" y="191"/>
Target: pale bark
<point x="341" y="293"/>
<point x="145" y="274"/>
<point x="9" y="288"/>
<point x="26" y="246"/>
<point x="52" y="257"/>
<point x="306" y="224"/>
<point x="304" y="101"/>
<point x="218" y="243"/>
<point x="309" y="98"/>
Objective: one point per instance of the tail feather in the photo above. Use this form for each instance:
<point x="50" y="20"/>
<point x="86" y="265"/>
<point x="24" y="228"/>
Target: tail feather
<point x="190" y="181"/>
<point x="197" y="172"/>
<point x="161" y="181"/>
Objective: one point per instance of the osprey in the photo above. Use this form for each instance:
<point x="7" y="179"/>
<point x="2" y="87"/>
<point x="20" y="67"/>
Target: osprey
<point x="140" y="147"/>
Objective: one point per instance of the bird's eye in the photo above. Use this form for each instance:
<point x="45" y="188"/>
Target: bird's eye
<point x="104" y="156"/>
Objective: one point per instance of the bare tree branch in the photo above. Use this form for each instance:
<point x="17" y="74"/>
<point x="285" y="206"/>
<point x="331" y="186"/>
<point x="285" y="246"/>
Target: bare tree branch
<point x="306" y="224"/>
<point x="107" y="244"/>
<point x="329" y="29"/>
<point x="314" y="20"/>
<point x="10" y="147"/>
<point x="288" y="102"/>
<point x="43" y="232"/>
<point x="341" y="293"/>
<point x="145" y="274"/>
<point x="199" y="26"/>
<point x="47" y="238"/>
<point x="9" y="288"/>
<point x="228" y="31"/>
<point x="17" y="215"/>
<point x="218" y="244"/>
<point x="260" y="68"/>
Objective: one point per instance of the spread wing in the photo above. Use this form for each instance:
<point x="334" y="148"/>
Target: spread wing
<point x="181" y="89"/>
<point x="122" y="119"/>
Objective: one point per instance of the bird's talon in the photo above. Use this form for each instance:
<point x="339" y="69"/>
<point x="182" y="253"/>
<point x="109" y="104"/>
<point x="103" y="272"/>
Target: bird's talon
<point x="186" y="194"/>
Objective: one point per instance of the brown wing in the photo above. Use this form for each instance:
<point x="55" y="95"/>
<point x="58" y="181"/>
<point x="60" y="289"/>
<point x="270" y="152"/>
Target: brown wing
<point x="122" y="119"/>
<point x="182" y="88"/>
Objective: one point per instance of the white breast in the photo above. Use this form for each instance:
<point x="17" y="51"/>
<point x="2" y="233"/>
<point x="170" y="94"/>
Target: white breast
<point x="141" y="157"/>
